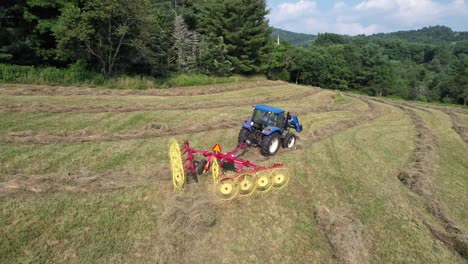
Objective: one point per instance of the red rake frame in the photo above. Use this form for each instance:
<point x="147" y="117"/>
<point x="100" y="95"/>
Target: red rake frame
<point x="222" y="158"/>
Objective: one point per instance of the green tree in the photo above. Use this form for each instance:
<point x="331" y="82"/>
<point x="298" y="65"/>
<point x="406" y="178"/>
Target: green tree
<point x="186" y="46"/>
<point x="101" y="29"/>
<point x="244" y="28"/>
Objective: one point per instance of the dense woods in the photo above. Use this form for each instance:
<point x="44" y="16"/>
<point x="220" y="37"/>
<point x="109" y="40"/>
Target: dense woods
<point x="430" y="64"/>
<point x="159" y="38"/>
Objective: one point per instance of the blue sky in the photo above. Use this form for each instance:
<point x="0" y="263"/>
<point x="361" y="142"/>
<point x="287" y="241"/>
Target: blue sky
<point x="355" y="17"/>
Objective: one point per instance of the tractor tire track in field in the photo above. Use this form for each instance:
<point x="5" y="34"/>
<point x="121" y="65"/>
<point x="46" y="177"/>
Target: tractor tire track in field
<point x="79" y="182"/>
<point x="47" y="108"/>
<point x="45" y="90"/>
<point x="419" y="175"/>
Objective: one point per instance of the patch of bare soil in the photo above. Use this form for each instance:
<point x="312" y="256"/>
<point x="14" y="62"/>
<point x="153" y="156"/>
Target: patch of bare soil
<point x="79" y="182"/>
<point x="80" y="136"/>
<point x="418" y="177"/>
<point x="187" y="217"/>
<point x="93" y="108"/>
<point x="345" y="233"/>
<point x="46" y="90"/>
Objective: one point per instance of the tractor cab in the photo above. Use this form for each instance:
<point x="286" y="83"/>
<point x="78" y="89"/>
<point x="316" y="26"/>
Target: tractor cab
<point x="264" y="116"/>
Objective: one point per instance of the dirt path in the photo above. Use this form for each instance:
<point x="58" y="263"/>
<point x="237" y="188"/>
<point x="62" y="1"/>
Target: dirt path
<point x="47" y="108"/>
<point x="419" y="175"/>
<point x="46" y="90"/>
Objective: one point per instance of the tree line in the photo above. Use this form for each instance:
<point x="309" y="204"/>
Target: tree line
<point x="149" y="37"/>
<point x="224" y="37"/>
<point x="378" y="66"/>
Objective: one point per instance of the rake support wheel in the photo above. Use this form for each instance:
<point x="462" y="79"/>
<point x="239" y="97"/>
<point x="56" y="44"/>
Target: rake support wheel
<point x="177" y="168"/>
<point x="263" y="182"/>
<point x="246" y="185"/>
<point x="279" y="178"/>
<point x="226" y="190"/>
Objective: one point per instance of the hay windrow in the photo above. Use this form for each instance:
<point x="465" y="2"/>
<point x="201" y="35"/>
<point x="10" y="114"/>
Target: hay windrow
<point x="345" y="233"/>
<point x="46" y="90"/>
<point x="457" y="123"/>
<point x="81" y="136"/>
<point x="152" y="130"/>
<point x="79" y="182"/>
<point x="327" y="131"/>
<point x="93" y="108"/>
<point x="186" y="217"/>
<point x="419" y="175"/>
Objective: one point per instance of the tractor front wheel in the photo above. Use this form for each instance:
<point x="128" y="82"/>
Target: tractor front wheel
<point x="289" y="141"/>
<point x="270" y="144"/>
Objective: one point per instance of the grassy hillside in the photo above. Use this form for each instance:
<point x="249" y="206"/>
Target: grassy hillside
<point x="85" y="178"/>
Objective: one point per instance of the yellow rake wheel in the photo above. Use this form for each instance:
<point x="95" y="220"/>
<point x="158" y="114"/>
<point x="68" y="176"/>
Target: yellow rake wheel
<point x="246" y="185"/>
<point x="263" y="182"/>
<point x="226" y="190"/>
<point x="215" y="170"/>
<point x="177" y="168"/>
<point x="279" y="178"/>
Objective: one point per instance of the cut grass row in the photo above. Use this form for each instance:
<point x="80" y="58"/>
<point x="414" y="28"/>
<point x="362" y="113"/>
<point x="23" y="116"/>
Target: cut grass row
<point x="355" y="168"/>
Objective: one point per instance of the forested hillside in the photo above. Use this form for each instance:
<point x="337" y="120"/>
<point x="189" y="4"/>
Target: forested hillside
<point x="293" y="38"/>
<point x="70" y="42"/>
<point x="381" y="65"/>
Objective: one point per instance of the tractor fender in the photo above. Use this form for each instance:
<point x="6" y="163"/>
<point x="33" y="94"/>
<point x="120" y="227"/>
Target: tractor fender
<point x="297" y="126"/>
<point x="270" y="130"/>
<point x="246" y="124"/>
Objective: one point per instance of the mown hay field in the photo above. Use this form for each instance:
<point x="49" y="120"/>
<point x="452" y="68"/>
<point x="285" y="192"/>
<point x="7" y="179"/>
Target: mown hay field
<point x="85" y="178"/>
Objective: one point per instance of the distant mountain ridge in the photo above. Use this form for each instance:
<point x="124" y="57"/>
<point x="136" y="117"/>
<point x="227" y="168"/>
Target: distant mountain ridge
<point x="293" y="38"/>
<point x="426" y="35"/>
<point x="435" y="35"/>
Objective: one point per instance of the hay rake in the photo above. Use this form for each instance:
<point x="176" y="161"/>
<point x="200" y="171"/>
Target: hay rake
<point x="248" y="178"/>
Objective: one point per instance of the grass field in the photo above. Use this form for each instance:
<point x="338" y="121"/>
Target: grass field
<point x="85" y="178"/>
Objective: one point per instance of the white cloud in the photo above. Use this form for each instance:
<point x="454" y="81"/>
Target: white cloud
<point x="340" y="5"/>
<point x="293" y="11"/>
<point x="356" y="29"/>
<point x="368" y="16"/>
<point x="376" y="4"/>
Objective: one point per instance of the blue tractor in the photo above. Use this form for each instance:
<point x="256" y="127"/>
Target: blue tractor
<point x="269" y="129"/>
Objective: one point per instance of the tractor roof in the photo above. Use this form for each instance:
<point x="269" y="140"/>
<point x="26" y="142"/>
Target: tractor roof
<point x="267" y="108"/>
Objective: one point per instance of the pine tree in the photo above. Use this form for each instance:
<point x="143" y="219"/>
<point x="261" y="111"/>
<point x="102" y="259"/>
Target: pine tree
<point x="244" y="29"/>
<point x="186" y="46"/>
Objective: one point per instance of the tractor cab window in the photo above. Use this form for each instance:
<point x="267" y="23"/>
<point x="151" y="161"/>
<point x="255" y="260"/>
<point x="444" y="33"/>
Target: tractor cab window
<point x="280" y="120"/>
<point x="260" y="117"/>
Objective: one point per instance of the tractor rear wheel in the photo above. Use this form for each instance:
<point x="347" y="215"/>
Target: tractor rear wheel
<point x="243" y="135"/>
<point x="289" y="141"/>
<point x="270" y="144"/>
